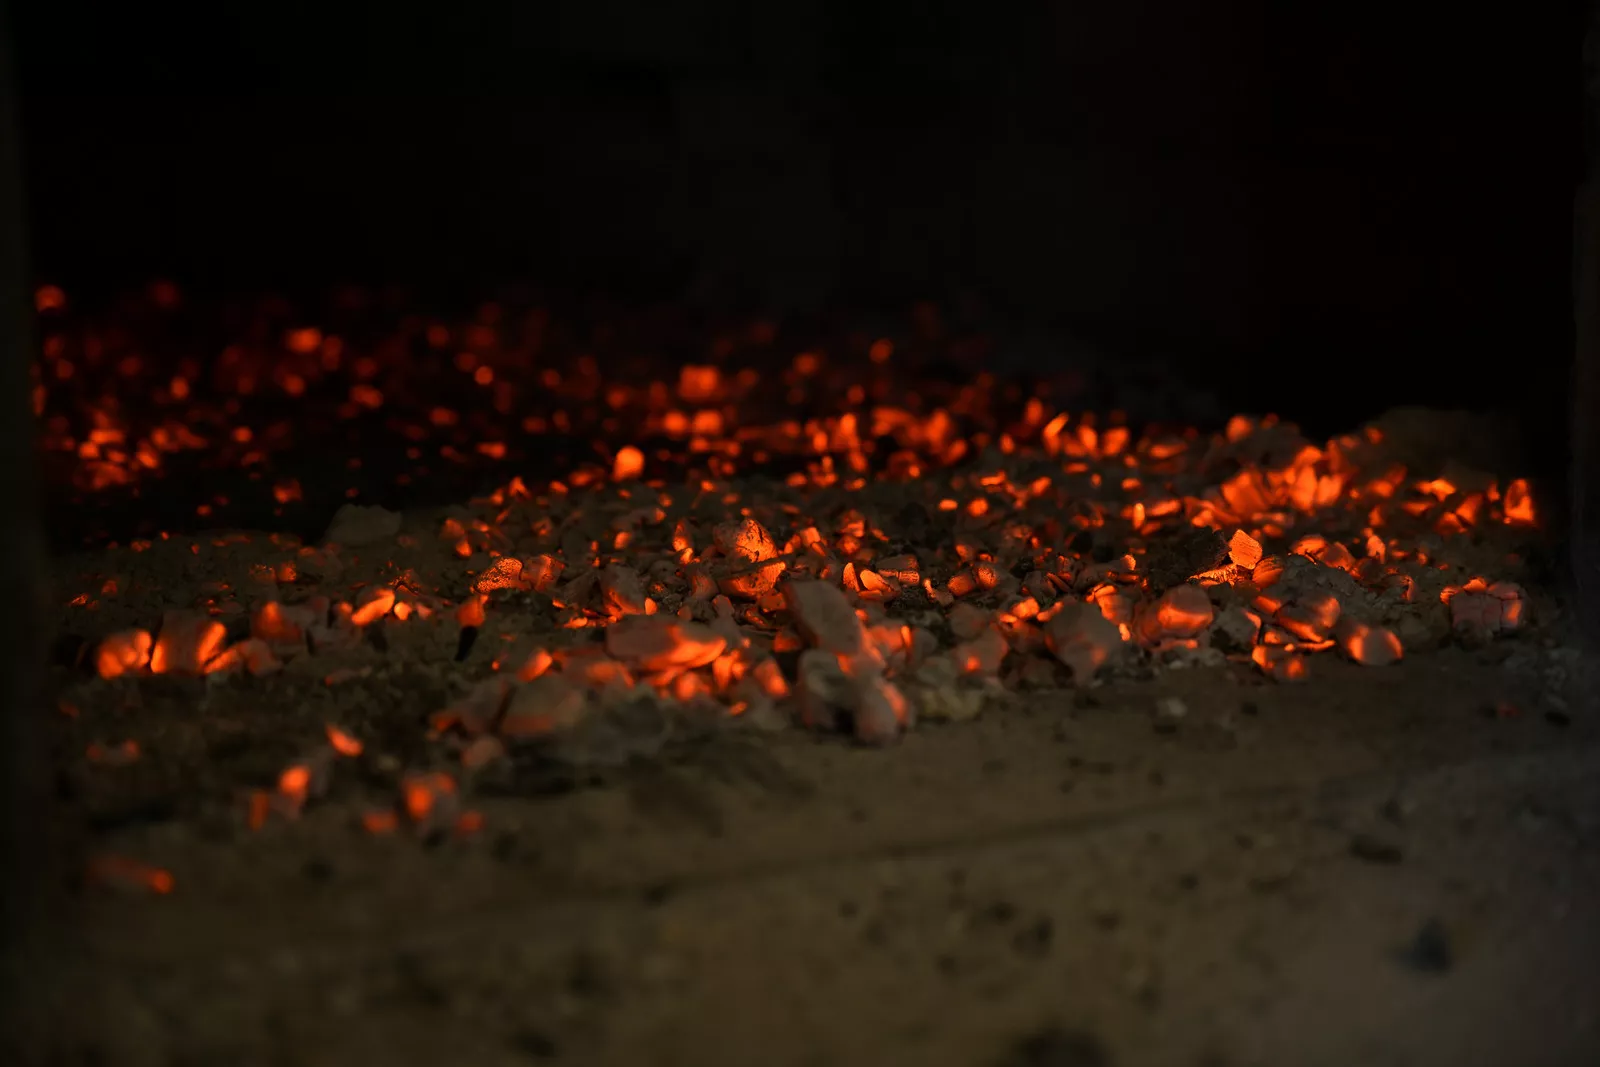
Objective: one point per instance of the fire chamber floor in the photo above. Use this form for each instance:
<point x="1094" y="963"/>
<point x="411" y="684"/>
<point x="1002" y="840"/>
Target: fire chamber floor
<point x="1377" y="868"/>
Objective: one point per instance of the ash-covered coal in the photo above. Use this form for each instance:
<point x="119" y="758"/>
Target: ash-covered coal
<point x="842" y="546"/>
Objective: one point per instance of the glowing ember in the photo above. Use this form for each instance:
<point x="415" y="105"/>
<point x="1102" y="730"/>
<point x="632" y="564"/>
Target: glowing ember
<point x="1518" y="503"/>
<point x="253" y="655"/>
<point x="120" y="872"/>
<point x="295" y="783"/>
<point x="1084" y="639"/>
<point x="187" y="644"/>
<point x="825" y="616"/>
<point x="430" y="801"/>
<point x="850" y="544"/>
<point x="1370" y="646"/>
<point x="119" y="755"/>
<point x="122" y="652"/>
<point x="1484" y="610"/>
<point x="544" y="706"/>
<point x="629" y="464"/>
<point x="374" y="604"/>
<point x="278" y="625"/>
<point x="342" y="742"/>
<point x="1280" y="663"/>
<point x="655" y="643"/>
<point x="1244" y="550"/>
<point x="1182" y="612"/>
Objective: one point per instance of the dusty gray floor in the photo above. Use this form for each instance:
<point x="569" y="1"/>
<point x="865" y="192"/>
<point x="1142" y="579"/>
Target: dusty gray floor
<point x="1367" y="870"/>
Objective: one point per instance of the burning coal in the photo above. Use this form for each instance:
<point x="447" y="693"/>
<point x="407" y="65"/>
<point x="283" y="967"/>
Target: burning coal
<point x="844" y="546"/>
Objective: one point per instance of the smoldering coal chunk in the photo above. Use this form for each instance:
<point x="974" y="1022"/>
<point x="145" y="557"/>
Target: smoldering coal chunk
<point x="634" y="729"/>
<point x="1083" y="639"/>
<point x="1174" y="560"/>
<point x="868" y="705"/>
<point x="1235" y="630"/>
<point x="356" y="525"/>
<point x="825" y="617"/>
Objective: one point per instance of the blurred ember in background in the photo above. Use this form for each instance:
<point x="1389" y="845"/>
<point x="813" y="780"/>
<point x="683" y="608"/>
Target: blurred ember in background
<point x="1306" y="216"/>
<point x="882" y="505"/>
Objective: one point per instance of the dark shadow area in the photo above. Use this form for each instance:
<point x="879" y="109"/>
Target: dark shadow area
<point x="1322" y="219"/>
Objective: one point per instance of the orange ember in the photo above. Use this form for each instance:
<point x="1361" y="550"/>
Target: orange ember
<point x="1244" y="550"/>
<point x="844" y="535"/>
<point x="122" y="652"/>
<point x="629" y="464"/>
<point x="421" y="793"/>
<point x="295" y="782"/>
<point x="379" y="822"/>
<point x="1370" y="646"/>
<point x="1518" y="503"/>
<point x="343" y="743"/>
<point x="373" y="604"/>
<point x="124" y="873"/>
<point x="187" y="644"/>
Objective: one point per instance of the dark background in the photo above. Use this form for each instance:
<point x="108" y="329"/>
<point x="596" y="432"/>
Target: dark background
<point x="1319" y="208"/>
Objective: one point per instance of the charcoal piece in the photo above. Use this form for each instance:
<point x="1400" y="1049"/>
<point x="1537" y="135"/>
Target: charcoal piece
<point x="912" y="523"/>
<point x="68" y="650"/>
<point x="469" y="635"/>
<point x="1174" y="560"/>
<point x="354" y="526"/>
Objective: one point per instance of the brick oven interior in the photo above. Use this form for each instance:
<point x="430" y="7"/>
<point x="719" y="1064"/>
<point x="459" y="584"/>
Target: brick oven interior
<point x="850" y="533"/>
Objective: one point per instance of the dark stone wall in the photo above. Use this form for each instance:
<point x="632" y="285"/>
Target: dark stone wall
<point x="1584" y="474"/>
<point x="29" y="912"/>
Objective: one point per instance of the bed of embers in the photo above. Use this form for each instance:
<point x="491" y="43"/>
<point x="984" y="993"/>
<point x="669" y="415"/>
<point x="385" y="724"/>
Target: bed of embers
<point x="831" y="538"/>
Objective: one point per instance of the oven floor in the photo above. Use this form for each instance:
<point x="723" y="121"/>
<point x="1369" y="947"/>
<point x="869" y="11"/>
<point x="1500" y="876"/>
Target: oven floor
<point x="1376" y="868"/>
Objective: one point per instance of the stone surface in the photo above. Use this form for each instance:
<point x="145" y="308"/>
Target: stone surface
<point x="1076" y="884"/>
